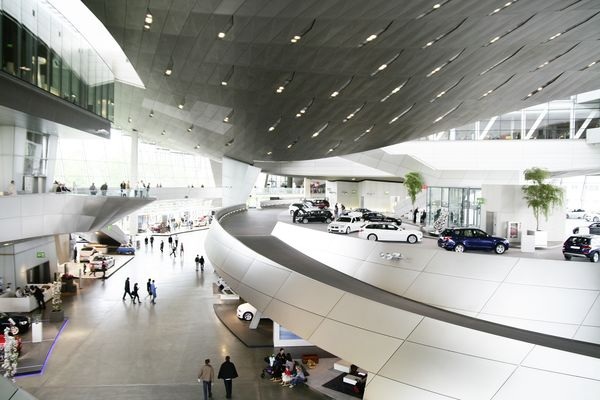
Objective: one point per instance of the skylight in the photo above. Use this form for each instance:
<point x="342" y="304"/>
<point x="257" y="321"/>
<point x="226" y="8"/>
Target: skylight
<point x="394" y="91"/>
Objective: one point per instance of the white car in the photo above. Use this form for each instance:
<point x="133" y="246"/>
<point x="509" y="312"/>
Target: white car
<point x="345" y="224"/>
<point x="246" y="311"/>
<point x="85" y="253"/>
<point x="302" y="206"/>
<point x="389" y="232"/>
<point x="99" y="259"/>
<point x="592" y="217"/>
<point x="576" y="214"/>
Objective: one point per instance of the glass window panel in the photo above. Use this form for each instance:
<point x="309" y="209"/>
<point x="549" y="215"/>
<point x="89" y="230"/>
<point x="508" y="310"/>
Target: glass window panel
<point x="10" y="41"/>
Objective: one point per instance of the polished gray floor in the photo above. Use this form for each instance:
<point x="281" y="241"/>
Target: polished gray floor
<point x="112" y="349"/>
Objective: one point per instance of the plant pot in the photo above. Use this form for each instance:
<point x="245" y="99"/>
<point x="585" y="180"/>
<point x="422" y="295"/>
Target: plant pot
<point x="57" y="316"/>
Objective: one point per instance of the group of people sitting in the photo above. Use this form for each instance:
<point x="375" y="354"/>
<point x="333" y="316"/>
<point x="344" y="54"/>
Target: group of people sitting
<point x="285" y="370"/>
<point x="34" y="291"/>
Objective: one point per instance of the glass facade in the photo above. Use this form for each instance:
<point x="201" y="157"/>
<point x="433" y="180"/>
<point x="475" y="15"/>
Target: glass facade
<point x="561" y="119"/>
<point x="43" y="49"/>
<point x="463" y="206"/>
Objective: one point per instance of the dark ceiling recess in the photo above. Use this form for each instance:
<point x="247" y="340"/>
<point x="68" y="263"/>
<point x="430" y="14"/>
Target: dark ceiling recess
<point x="387" y="55"/>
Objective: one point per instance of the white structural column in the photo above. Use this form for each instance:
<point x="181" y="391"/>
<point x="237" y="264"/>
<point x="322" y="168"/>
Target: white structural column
<point x="133" y="176"/>
<point x="238" y="180"/>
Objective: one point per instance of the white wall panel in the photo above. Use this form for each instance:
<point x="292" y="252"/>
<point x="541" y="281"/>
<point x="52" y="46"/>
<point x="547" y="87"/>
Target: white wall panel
<point x="265" y="278"/>
<point x="563" y="362"/>
<point x="477" y="266"/>
<point x="301" y="322"/>
<point x="541" y="303"/>
<point x="551" y="328"/>
<point x="448" y="291"/>
<point x="441" y="371"/>
<point x="593" y="316"/>
<point x="383" y="388"/>
<point x="554" y="273"/>
<point x="528" y="384"/>
<point x="257" y="299"/>
<point x="309" y="294"/>
<point x="588" y="334"/>
<point x="394" y="280"/>
<point x="413" y="257"/>
<point x="31" y="205"/>
<point x="468" y="341"/>
<point x="349" y="342"/>
<point x="366" y="314"/>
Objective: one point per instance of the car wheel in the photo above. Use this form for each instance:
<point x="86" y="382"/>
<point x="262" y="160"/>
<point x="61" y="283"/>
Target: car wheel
<point x="248" y="316"/>
<point x="594" y="258"/>
<point x="499" y="249"/>
<point x="567" y="257"/>
<point x="328" y="220"/>
<point x="347" y="230"/>
<point x="459" y="248"/>
<point x="372" y="237"/>
<point x="305" y="221"/>
<point x="412" y="239"/>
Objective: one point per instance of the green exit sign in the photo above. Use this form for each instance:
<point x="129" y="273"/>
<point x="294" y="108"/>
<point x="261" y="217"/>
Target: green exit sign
<point x="41" y="254"/>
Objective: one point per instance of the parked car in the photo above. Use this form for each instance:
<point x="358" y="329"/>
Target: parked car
<point x="85" y="253"/>
<point x="98" y="260"/>
<point x="319" y="203"/>
<point x="162" y="227"/>
<point x="125" y="249"/>
<point x="357" y="212"/>
<point x="315" y="215"/>
<point x="22" y="322"/>
<point x="299" y="206"/>
<point x="592" y="216"/>
<point x="582" y="246"/>
<point x="246" y="311"/>
<point x="594" y="229"/>
<point x="345" y="224"/>
<point x="576" y="214"/>
<point x="463" y="239"/>
<point x="389" y="232"/>
<point x="378" y="217"/>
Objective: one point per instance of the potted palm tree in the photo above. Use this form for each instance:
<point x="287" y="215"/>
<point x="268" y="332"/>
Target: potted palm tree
<point x="541" y="197"/>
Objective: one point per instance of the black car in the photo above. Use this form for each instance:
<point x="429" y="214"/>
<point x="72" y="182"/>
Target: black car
<point x="315" y="215"/>
<point x="594" y="229"/>
<point x="462" y="239"/>
<point x="582" y="246"/>
<point x="378" y="217"/>
<point x="20" y="321"/>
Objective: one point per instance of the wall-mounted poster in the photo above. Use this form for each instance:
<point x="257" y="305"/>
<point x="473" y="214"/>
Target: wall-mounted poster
<point x="514" y="230"/>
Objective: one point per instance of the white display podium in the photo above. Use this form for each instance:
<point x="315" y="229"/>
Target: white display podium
<point x="36" y="332"/>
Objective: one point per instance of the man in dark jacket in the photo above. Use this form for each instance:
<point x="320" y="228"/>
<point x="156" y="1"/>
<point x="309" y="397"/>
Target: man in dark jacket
<point x="127" y="289"/>
<point x="227" y="372"/>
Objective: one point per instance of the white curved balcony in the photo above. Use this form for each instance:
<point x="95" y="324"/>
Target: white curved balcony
<point x="412" y="349"/>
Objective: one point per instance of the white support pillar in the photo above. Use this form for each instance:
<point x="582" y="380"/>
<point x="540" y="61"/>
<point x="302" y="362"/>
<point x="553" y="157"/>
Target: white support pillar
<point x="523" y="123"/>
<point x="133" y="181"/>
<point x="572" y="118"/>
<point x="256" y="320"/>
<point x="238" y="180"/>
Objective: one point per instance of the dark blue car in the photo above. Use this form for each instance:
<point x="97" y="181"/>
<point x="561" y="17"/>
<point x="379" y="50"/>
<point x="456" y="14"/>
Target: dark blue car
<point x="462" y="239"/>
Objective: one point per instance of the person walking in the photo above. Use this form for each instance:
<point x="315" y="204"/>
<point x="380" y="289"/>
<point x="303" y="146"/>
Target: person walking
<point x="127" y="289"/>
<point x="149" y="287"/>
<point x="146" y="241"/>
<point x="162" y="245"/>
<point x="197" y="261"/>
<point x="135" y="294"/>
<point x="206" y="376"/>
<point x="228" y="373"/>
<point x="176" y="241"/>
<point x="152" y="241"/>
<point x="295" y="215"/>
<point x="173" y="252"/>
<point x="153" y="290"/>
<point x="202" y="263"/>
<point x="181" y="250"/>
<point x="170" y="240"/>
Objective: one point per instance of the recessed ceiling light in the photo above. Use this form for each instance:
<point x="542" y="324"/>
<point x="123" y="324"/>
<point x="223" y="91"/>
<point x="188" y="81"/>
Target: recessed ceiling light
<point x="438" y="119"/>
<point x="169" y="69"/>
<point x="228" y="116"/>
<point x="436" y="6"/>
<point x="146" y="27"/>
<point x="394" y="91"/>
<point x="386" y="64"/>
<point x="151" y="113"/>
<point x="296" y="38"/>
<point x="403" y="113"/>
<point x="180" y="105"/>
<point x="225" y="31"/>
<point x="190" y="128"/>
<point x="272" y="127"/>
<point x="148" y="19"/>
<point x="286" y="82"/>
<point x="370" y="38"/>
<point x="320" y="130"/>
<point x="129" y="119"/>
<point x="164" y="133"/>
<point x="227" y="76"/>
<point x="269" y="153"/>
<point x="344" y="86"/>
<point x="334" y="93"/>
<point x="223" y="83"/>
<point x="375" y="35"/>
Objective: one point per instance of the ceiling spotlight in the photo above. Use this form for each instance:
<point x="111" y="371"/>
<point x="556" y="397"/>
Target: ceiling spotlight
<point x="164" y="133"/>
<point x="146" y="27"/>
<point x="228" y="116"/>
<point x="227" y="77"/>
<point x="197" y="146"/>
<point x="230" y="142"/>
<point x="299" y="36"/>
<point x="151" y="113"/>
<point x="190" y="128"/>
<point x="334" y="93"/>
<point x="370" y="38"/>
<point x="226" y="29"/>
<point x="272" y="127"/>
<point x="386" y="64"/>
<point x="375" y="35"/>
<point x="180" y="105"/>
<point x="148" y="19"/>
<point x="129" y="119"/>
<point x="287" y="81"/>
<point x="269" y="153"/>
<point x="436" y="6"/>
<point x="169" y="69"/>
<point x="320" y="130"/>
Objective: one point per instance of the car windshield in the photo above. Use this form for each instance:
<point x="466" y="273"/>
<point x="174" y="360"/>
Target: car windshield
<point x="344" y="219"/>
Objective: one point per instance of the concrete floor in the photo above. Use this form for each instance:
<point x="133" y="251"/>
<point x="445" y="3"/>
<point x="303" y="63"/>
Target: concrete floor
<point x="114" y="349"/>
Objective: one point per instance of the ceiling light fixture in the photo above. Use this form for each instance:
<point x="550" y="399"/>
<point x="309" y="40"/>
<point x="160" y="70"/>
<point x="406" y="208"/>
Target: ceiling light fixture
<point x="228" y="116"/>
<point x="432" y="9"/>
<point x="289" y="146"/>
<point x="226" y="29"/>
<point x="443" y="35"/>
<point x="146" y="27"/>
<point x="590" y="65"/>
<point x="450" y="60"/>
<point x="148" y="19"/>
<point x="190" y="128"/>
<point x="320" y="130"/>
<point x="230" y="142"/>
<point x="169" y="69"/>
<point x="197" y="146"/>
<point x="304" y="109"/>
<point x="181" y="104"/>
<point x="269" y="153"/>
<point x="151" y="113"/>
<point x="286" y="82"/>
<point x="449" y="88"/>
<point x="386" y="64"/>
<point x="394" y="91"/>
<point x="495" y="39"/>
<point x="336" y="93"/>
<point x="129" y="119"/>
<point x="334" y="147"/>
<point x="375" y="35"/>
<point x="438" y="119"/>
<point x="164" y="133"/>
<point x="272" y="127"/>
<point x="540" y="88"/>
<point x="508" y="4"/>
<point x="496" y="88"/>
<point x="368" y="130"/>
<point x="403" y="113"/>
<point x="296" y="38"/>
<point x="228" y="75"/>
<point x="353" y="113"/>
<point x="572" y="27"/>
